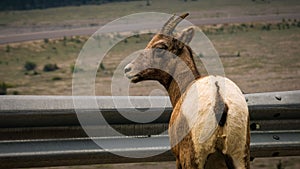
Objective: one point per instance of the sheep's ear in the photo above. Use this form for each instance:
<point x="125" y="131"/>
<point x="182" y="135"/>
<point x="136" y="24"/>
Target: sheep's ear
<point x="186" y="35"/>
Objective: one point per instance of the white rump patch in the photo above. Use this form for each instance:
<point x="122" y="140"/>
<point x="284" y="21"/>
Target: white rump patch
<point x="198" y="107"/>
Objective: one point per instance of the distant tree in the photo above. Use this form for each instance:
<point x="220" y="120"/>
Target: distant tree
<point x="29" y="65"/>
<point x="50" y="67"/>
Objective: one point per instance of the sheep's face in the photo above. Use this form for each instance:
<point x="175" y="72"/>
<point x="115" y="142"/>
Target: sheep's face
<point x="157" y="61"/>
<point x="163" y="54"/>
<point x="161" y="57"/>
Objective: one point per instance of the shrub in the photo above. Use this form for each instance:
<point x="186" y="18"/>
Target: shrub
<point x="15" y="92"/>
<point x="65" y="41"/>
<point x="266" y="27"/>
<point x="46" y="40"/>
<point x="3" y="88"/>
<point x="238" y="54"/>
<point x="72" y="67"/>
<point x="7" y="49"/>
<point x="75" y="70"/>
<point x="200" y="55"/>
<point x="136" y="34"/>
<point x="244" y="25"/>
<point x="76" y="39"/>
<point x="56" y="78"/>
<point x="102" y="67"/>
<point x="287" y="25"/>
<point x="94" y="24"/>
<point x="50" y="67"/>
<point x="279" y="26"/>
<point x="29" y="65"/>
<point x="35" y="73"/>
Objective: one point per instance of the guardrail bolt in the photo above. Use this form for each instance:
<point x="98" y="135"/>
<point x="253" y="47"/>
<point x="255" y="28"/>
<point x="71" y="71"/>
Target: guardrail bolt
<point x="276" y="115"/>
<point x="278" y="97"/>
<point x="257" y="126"/>
<point x="254" y="126"/>
<point x="275" y="154"/>
<point x="275" y="137"/>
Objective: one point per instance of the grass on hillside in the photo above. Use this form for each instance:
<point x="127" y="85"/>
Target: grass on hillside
<point x="94" y="14"/>
<point x="268" y="61"/>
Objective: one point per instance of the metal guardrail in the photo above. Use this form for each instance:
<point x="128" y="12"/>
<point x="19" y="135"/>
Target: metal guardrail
<point x="37" y="131"/>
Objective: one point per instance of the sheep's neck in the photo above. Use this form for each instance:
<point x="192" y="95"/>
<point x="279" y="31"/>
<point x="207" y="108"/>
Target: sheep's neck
<point x="182" y="77"/>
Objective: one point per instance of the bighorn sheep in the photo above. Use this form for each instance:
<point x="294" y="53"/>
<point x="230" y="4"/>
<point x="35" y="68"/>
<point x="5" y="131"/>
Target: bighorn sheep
<point x="209" y="125"/>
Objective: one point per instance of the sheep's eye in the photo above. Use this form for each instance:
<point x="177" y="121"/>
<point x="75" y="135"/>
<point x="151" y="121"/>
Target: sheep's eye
<point x="160" y="49"/>
<point x="162" y="46"/>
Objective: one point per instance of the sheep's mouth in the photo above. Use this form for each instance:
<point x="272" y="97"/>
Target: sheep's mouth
<point x="134" y="78"/>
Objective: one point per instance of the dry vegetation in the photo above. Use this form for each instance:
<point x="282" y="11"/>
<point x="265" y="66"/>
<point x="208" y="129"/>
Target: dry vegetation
<point x="258" y="59"/>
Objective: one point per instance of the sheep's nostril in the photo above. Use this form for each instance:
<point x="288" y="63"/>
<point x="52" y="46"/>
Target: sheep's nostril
<point x="127" y="69"/>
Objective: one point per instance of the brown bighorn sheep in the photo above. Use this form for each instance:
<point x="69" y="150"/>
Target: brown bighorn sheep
<point x="209" y="125"/>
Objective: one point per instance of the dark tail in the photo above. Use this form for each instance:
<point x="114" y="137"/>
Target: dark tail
<point x="220" y="107"/>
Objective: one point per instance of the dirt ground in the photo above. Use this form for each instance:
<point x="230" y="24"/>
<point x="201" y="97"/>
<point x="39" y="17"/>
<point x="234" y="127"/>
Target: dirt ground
<point x="258" y="163"/>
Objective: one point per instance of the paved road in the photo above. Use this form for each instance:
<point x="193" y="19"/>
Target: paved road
<point x="4" y="39"/>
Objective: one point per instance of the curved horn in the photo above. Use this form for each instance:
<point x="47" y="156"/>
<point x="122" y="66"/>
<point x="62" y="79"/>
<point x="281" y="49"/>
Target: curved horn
<point x="170" y="25"/>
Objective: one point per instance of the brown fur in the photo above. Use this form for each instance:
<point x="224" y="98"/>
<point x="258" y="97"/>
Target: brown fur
<point x="184" y="150"/>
